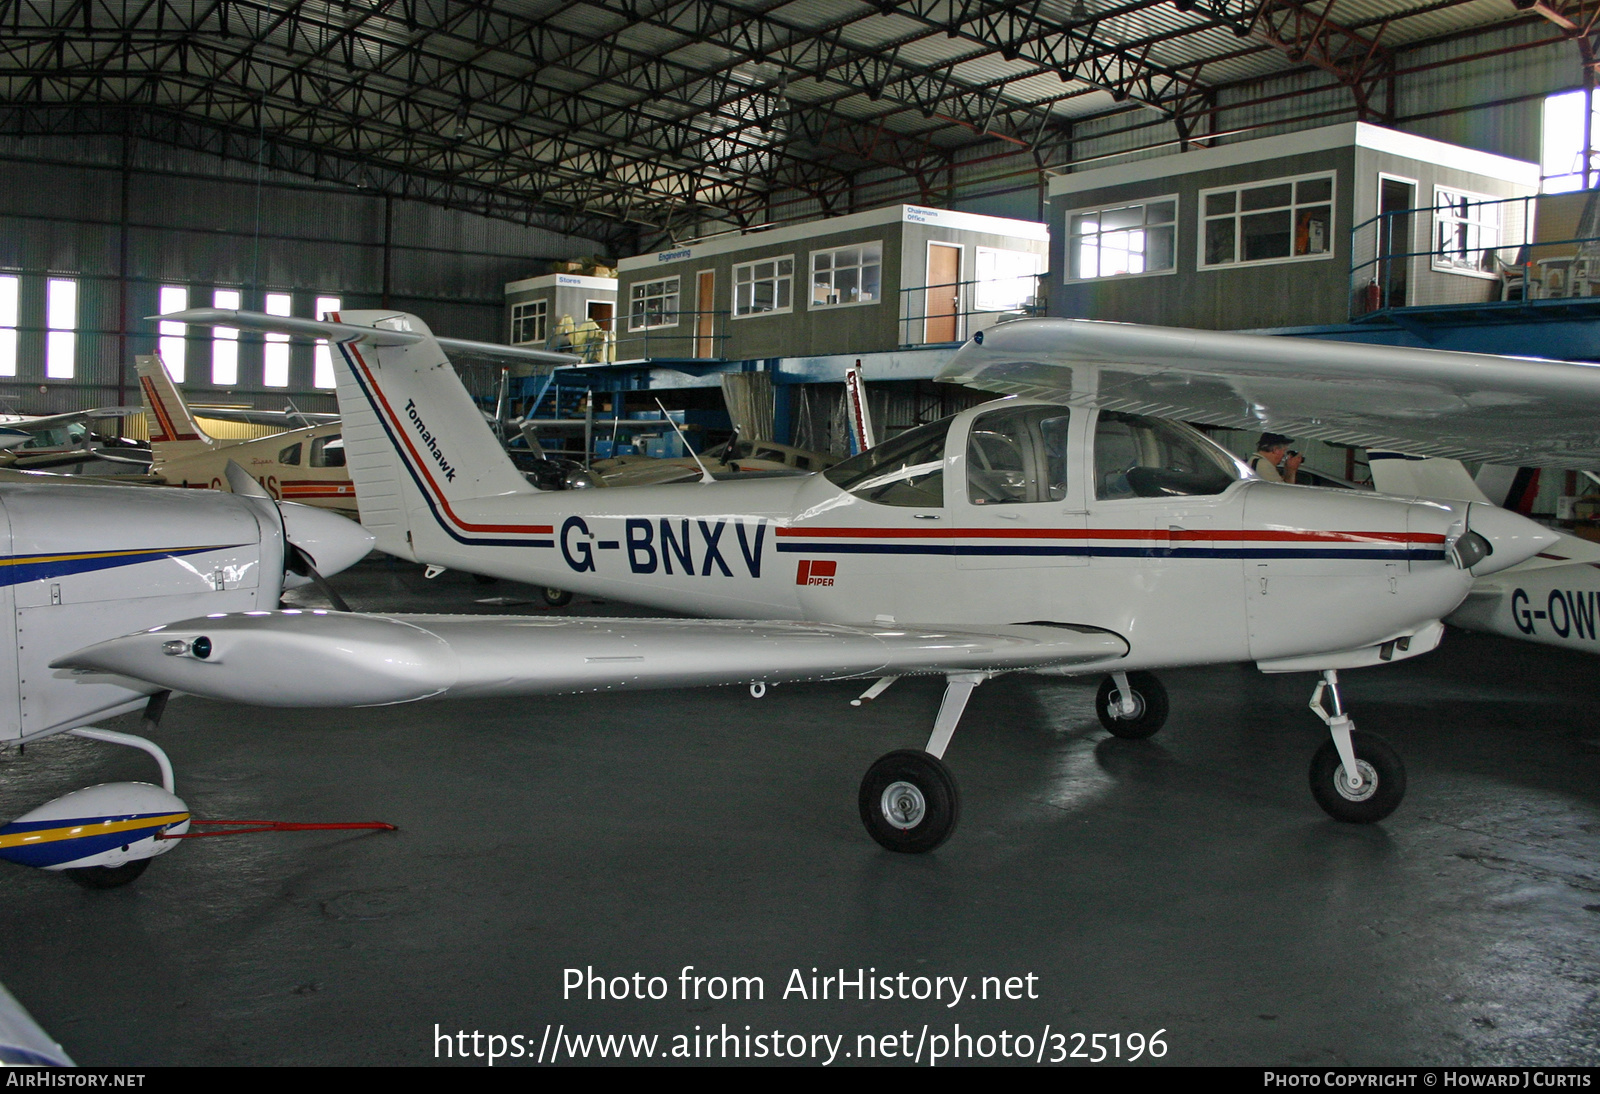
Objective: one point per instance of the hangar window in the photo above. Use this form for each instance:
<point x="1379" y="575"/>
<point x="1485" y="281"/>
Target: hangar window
<point x="61" y="339"/>
<point x="849" y="275"/>
<point x="8" y="326"/>
<point x="321" y="355"/>
<point x="1140" y="457"/>
<point x="653" y="304"/>
<point x="1007" y="280"/>
<point x="1018" y="454"/>
<point x="1281" y="220"/>
<point x="1123" y="240"/>
<point x="173" y="344"/>
<point x="907" y="470"/>
<point x="225" y="342"/>
<point x="1466" y="230"/>
<point x="528" y="322"/>
<point x="763" y="288"/>
<point x="275" y="359"/>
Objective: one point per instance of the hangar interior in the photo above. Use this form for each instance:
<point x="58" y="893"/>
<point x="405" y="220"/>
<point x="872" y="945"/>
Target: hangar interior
<point x="719" y="207"/>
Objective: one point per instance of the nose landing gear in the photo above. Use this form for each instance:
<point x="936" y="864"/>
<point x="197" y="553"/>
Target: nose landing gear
<point x="1355" y="777"/>
<point x="1132" y="705"/>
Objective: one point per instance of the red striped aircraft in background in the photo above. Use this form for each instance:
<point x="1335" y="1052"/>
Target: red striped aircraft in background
<point x="306" y="465"/>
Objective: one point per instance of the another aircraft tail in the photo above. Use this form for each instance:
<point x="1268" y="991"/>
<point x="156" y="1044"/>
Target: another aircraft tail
<point x="174" y="433"/>
<point x="416" y="446"/>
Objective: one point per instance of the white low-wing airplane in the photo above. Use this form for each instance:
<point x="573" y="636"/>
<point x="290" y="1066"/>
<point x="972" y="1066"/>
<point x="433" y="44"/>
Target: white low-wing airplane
<point x="1047" y="535"/>
<point x="80" y="563"/>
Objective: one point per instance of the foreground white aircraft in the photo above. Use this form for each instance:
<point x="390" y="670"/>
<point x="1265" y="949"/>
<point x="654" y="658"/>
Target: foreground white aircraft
<point x="1050" y="535"/>
<point x="81" y="563"/>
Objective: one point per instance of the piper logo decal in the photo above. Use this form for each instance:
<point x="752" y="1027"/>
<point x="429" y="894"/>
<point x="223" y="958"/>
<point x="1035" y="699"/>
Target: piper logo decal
<point x="815" y="572"/>
<point x="432" y="445"/>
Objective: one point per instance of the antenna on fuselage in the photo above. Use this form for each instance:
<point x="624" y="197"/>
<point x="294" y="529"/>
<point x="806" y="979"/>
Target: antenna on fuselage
<point x="705" y="472"/>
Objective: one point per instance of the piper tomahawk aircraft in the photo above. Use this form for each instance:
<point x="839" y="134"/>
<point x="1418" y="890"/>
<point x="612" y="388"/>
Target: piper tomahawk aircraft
<point x="1034" y="535"/>
<point x="79" y="563"/>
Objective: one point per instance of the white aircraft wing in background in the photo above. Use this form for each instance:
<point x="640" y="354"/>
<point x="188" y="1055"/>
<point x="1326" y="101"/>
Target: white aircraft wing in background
<point x="1466" y="406"/>
<point x="17" y="428"/>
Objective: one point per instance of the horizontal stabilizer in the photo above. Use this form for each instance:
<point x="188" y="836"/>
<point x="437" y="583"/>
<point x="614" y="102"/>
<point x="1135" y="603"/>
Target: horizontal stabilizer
<point x="331" y="659"/>
<point x="350" y="332"/>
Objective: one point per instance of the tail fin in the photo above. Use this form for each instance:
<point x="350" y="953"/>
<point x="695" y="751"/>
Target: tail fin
<point x="416" y="445"/>
<point x="174" y="433"/>
<point x="1408" y="476"/>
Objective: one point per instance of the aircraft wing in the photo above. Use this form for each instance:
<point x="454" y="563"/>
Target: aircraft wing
<point x="349" y="332"/>
<point x="1504" y="410"/>
<point x="331" y="659"/>
<point x="288" y="419"/>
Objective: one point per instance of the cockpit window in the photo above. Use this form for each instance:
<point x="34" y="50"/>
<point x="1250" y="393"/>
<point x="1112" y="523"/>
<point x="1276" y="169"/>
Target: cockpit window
<point x="907" y="470"/>
<point x="1140" y="457"/>
<point x="1018" y="454"/>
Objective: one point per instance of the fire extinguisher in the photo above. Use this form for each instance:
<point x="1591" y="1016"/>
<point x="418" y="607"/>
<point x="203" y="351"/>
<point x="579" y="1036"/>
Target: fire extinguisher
<point x="1371" y="297"/>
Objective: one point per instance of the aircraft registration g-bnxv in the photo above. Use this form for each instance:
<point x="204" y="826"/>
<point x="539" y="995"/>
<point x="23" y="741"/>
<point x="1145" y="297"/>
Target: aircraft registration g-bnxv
<point x="1047" y="535"/>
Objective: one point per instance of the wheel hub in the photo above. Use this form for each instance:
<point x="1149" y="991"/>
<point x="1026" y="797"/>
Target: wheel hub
<point x="903" y="805"/>
<point x="1116" y="707"/>
<point x="1368" y="787"/>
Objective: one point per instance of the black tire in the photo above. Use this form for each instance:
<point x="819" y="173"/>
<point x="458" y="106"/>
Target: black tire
<point x="909" y="801"/>
<point x="108" y="877"/>
<point x="1373" y="802"/>
<point x="556" y="598"/>
<point x="1149" y="701"/>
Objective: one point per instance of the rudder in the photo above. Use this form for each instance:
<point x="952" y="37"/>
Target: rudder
<point x="174" y="433"/>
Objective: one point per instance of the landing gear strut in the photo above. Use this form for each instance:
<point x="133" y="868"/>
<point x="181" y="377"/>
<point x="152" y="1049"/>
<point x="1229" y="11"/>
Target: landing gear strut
<point x="1132" y="705"/>
<point x="1355" y="777"/>
<point x="909" y="799"/>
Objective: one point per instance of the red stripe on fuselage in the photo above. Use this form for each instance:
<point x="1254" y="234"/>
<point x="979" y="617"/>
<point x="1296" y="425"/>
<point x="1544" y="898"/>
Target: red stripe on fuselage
<point x="399" y="431"/>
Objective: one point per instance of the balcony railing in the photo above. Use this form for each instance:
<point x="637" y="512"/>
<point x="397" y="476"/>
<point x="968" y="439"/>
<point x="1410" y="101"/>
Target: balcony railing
<point x="1529" y="248"/>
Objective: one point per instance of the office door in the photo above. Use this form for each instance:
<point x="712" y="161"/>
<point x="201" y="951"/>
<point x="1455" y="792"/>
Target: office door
<point x="705" y="319"/>
<point x="942" y="322"/>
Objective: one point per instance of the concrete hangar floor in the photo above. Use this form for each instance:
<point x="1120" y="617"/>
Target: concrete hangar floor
<point x="1186" y="884"/>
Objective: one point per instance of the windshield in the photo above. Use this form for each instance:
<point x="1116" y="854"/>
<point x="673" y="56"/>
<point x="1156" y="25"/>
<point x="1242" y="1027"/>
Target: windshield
<point x="907" y="470"/>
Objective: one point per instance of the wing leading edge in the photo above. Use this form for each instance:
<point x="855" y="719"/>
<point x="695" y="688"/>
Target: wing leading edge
<point x="1505" y="410"/>
<point x="330" y="659"/>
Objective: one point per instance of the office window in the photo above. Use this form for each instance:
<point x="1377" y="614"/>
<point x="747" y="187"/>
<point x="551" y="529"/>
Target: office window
<point x="275" y="360"/>
<point x="8" y="326"/>
<point x="1561" y="158"/>
<point x="653" y="304"/>
<point x="1007" y="280"/>
<point x="1466" y="231"/>
<point x="173" y="345"/>
<point x="1123" y="240"/>
<point x="763" y="288"/>
<point x="528" y="322"/>
<point x="1276" y="221"/>
<point x="322" y="355"/>
<point x="61" y="339"/>
<point x="848" y="275"/>
<point x="225" y="342"/>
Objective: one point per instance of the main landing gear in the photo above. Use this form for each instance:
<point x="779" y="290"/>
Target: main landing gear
<point x="909" y="799"/>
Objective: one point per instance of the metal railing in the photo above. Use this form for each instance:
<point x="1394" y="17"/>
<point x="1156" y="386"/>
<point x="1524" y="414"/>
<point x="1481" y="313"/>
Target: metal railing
<point x="955" y="311"/>
<point x="1481" y="252"/>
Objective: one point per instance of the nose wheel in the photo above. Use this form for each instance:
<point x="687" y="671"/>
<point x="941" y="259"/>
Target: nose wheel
<point x="1355" y="777"/>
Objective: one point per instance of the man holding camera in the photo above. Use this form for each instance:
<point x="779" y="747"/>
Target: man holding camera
<point x="1273" y="461"/>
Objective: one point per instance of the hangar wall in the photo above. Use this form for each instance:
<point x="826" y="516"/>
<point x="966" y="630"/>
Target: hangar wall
<point x="76" y="209"/>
